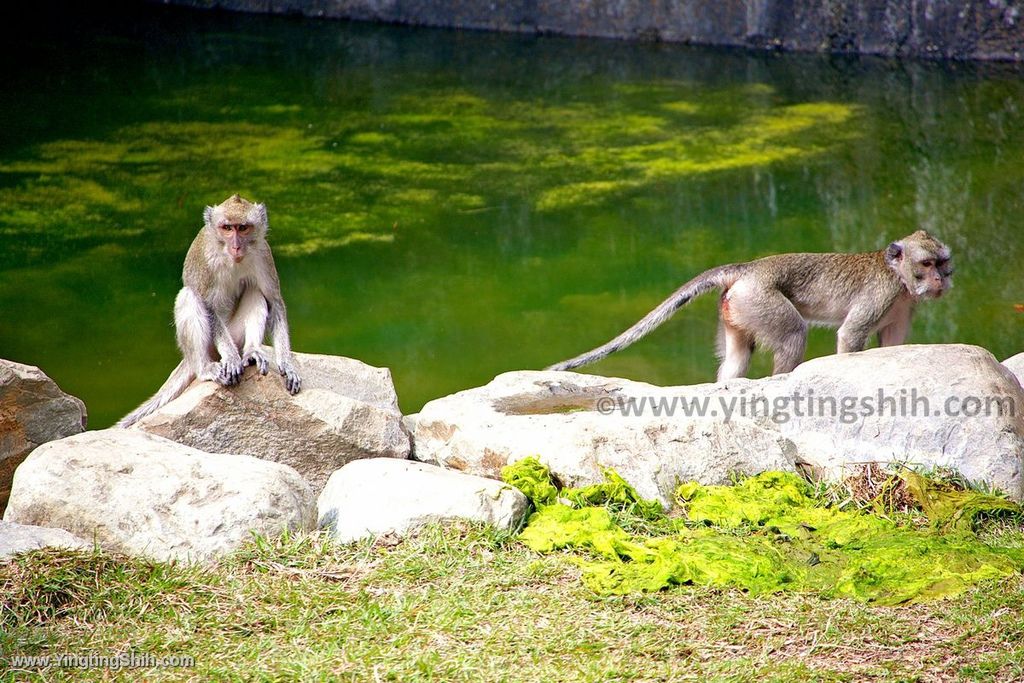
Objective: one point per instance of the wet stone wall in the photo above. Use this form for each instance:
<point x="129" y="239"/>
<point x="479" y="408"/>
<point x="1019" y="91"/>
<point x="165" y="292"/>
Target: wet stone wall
<point x="968" y="29"/>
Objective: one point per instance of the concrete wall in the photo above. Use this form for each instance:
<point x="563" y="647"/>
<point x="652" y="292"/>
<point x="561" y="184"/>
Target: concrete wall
<point x="968" y="29"/>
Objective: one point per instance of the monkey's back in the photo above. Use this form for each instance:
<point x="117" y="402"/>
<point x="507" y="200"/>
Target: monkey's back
<point x="195" y="273"/>
<point x="825" y="286"/>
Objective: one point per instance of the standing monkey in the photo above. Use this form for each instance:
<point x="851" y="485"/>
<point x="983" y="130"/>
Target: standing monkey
<point x="771" y="301"/>
<point x="221" y="315"/>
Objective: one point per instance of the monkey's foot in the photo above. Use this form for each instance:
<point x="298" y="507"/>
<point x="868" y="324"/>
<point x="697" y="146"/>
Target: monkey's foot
<point x="259" y="360"/>
<point x="291" y="378"/>
<point x="230" y="372"/>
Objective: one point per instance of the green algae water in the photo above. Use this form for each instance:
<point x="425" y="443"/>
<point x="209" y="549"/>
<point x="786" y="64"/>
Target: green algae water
<point x="454" y="205"/>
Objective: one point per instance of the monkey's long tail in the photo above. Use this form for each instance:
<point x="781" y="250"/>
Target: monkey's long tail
<point x="716" y="278"/>
<point x="172" y="388"/>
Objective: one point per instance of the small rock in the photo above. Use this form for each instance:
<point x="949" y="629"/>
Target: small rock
<point x="1016" y="366"/>
<point x="376" y="497"/>
<point x="21" y="538"/>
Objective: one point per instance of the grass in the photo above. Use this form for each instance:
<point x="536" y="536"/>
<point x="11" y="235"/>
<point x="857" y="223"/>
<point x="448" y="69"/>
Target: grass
<point x="463" y="603"/>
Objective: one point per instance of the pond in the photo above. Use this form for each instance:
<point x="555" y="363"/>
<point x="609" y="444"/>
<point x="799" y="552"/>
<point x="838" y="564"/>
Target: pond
<point x="453" y="205"/>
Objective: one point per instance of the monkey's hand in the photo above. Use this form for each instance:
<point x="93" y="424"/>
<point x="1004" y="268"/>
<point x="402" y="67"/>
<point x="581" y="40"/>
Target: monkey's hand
<point x="230" y="372"/>
<point x="291" y="378"/>
<point x="259" y="360"/>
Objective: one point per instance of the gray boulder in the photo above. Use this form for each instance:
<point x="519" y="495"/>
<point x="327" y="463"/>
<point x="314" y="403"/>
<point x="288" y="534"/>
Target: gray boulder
<point x="928" y="406"/>
<point x="346" y="410"/>
<point x="370" y="498"/>
<point x="21" y="538"/>
<point x="143" y="495"/>
<point x="33" y="410"/>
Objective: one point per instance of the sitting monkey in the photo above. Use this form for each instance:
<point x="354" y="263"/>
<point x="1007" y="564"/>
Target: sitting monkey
<point x="231" y="295"/>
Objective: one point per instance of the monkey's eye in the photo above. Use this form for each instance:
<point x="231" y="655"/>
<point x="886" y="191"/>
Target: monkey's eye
<point x="928" y="264"/>
<point x="244" y="228"/>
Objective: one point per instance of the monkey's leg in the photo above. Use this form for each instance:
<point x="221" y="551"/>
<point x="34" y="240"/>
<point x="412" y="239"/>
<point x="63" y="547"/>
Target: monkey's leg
<point x="248" y="327"/>
<point x="193" y="323"/>
<point x="772" y="321"/>
<point x="734" y="349"/>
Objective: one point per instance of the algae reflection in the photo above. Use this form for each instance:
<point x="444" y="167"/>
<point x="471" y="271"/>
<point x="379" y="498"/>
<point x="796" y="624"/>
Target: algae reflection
<point x="456" y="205"/>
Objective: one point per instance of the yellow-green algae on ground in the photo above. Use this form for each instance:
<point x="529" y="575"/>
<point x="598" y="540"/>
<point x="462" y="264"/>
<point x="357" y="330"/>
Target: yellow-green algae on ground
<point x="768" y="533"/>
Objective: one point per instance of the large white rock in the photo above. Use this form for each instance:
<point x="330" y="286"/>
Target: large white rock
<point x="346" y="410"/>
<point x="577" y="424"/>
<point x="144" y="495"/>
<point x="33" y="410"/>
<point x="948" y="405"/>
<point x="573" y="424"/>
<point x="21" y="538"/>
<point x="370" y="498"/>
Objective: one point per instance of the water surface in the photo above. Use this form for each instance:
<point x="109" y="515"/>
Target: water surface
<point x="454" y="205"/>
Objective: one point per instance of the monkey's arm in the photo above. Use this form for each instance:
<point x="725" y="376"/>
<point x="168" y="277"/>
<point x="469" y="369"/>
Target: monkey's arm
<point x="231" y="365"/>
<point x="278" y="320"/>
<point x="863" y="320"/>
<point x="283" y="345"/>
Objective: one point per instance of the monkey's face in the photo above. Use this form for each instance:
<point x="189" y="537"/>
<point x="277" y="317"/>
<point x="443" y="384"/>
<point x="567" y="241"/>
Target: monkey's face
<point x="932" y="277"/>
<point x="923" y="263"/>
<point x="235" y="237"/>
<point x="237" y="225"/>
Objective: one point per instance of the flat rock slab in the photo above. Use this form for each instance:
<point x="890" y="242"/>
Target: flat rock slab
<point x="832" y="414"/>
<point x="346" y="410"/>
<point x="143" y="495"/>
<point x="33" y="410"/>
<point x="369" y="498"/>
<point x="21" y="538"/>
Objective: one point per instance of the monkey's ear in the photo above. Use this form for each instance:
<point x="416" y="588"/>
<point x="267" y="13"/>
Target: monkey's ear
<point x="893" y="253"/>
<point x="208" y="216"/>
<point x="258" y="214"/>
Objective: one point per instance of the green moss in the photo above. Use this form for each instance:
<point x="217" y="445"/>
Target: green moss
<point x="951" y="508"/>
<point x="768" y="533"/>
<point x="753" y="501"/>
<point x="532" y="478"/>
<point x="614" y="492"/>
